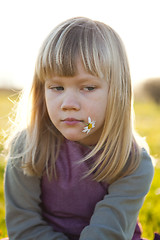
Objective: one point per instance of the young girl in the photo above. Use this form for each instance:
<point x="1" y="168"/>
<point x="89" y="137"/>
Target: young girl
<point x="76" y="171"/>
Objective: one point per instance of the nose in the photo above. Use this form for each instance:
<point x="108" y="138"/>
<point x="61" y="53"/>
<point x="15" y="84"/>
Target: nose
<point x="70" y="102"/>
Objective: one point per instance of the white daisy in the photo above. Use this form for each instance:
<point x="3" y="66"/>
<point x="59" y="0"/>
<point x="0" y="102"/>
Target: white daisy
<point x="90" y="125"/>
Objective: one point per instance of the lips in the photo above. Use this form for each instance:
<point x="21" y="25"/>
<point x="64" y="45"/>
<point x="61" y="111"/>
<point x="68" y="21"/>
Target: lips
<point x="71" y="121"/>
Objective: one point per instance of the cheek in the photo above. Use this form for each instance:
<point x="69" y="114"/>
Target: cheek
<point x="100" y="106"/>
<point x="51" y="109"/>
<point x="97" y="112"/>
<point x="100" y="111"/>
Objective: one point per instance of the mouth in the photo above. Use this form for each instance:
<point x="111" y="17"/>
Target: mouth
<point x="72" y="121"/>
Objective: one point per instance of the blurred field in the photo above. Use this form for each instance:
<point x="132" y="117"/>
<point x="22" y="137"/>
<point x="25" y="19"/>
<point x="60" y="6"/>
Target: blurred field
<point x="147" y="124"/>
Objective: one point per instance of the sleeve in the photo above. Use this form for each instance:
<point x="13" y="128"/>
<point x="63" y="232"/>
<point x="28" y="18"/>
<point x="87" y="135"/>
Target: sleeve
<point x="23" y="212"/>
<point x="116" y="215"/>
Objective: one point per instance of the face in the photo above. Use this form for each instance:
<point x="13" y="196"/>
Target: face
<point x="71" y="100"/>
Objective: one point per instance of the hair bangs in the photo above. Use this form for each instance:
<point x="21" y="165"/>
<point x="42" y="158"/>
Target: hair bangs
<point x="62" y="48"/>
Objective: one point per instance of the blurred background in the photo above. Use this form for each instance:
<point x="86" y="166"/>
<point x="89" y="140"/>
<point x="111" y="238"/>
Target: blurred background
<point x="23" y="26"/>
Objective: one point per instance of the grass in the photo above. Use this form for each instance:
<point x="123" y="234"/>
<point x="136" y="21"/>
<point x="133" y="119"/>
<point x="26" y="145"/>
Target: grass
<point x="147" y="124"/>
<point x="5" y="108"/>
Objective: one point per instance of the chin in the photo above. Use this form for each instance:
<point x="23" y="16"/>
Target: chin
<point x="83" y="138"/>
<point x="73" y="138"/>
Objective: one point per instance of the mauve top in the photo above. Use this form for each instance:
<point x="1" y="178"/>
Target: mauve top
<point x="71" y="207"/>
<point x="69" y="202"/>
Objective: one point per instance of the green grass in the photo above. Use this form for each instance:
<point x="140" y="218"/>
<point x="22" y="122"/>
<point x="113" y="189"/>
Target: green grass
<point x="147" y="125"/>
<point x="5" y="108"/>
<point x="7" y="99"/>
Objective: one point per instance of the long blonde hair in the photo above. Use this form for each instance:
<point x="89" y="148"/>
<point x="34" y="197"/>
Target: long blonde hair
<point x="103" y="55"/>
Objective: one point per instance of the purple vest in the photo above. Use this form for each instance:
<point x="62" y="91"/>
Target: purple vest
<point x="68" y="202"/>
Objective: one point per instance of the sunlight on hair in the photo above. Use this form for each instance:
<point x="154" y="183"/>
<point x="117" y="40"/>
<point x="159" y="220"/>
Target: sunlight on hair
<point x="103" y="55"/>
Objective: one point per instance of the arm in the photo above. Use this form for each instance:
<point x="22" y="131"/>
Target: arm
<point x="23" y="212"/>
<point x="116" y="215"/>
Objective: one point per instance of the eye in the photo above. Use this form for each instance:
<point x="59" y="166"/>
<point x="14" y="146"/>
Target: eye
<point x="89" y="88"/>
<point x="57" y="88"/>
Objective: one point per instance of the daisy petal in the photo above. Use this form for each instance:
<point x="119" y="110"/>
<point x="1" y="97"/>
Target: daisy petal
<point x="89" y="120"/>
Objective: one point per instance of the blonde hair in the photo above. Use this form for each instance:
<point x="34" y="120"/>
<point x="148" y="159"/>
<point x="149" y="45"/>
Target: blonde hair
<point x="103" y="54"/>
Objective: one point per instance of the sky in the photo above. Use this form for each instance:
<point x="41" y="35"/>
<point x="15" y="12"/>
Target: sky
<point x="24" y="24"/>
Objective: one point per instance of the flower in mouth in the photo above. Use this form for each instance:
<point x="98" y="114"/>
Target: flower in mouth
<point x="90" y="125"/>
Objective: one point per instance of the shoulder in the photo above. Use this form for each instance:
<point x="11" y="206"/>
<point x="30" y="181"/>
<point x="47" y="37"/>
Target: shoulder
<point x="139" y="181"/>
<point x="145" y="171"/>
<point x="146" y="167"/>
<point x="18" y="142"/>
<point x="16" y="149"/>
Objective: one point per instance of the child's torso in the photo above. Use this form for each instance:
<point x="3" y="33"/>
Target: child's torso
<point x="69" y="202"/>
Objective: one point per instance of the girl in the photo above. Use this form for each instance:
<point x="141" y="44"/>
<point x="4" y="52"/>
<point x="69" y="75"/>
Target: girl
<point x="76" y="171"/>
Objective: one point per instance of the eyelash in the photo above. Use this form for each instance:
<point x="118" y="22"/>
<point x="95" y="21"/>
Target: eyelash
<point x="90" y="88"/>
<point x="60" y="88"/>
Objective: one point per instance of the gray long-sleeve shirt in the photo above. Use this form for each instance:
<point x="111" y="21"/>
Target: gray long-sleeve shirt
<point x="114" y="216"/>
